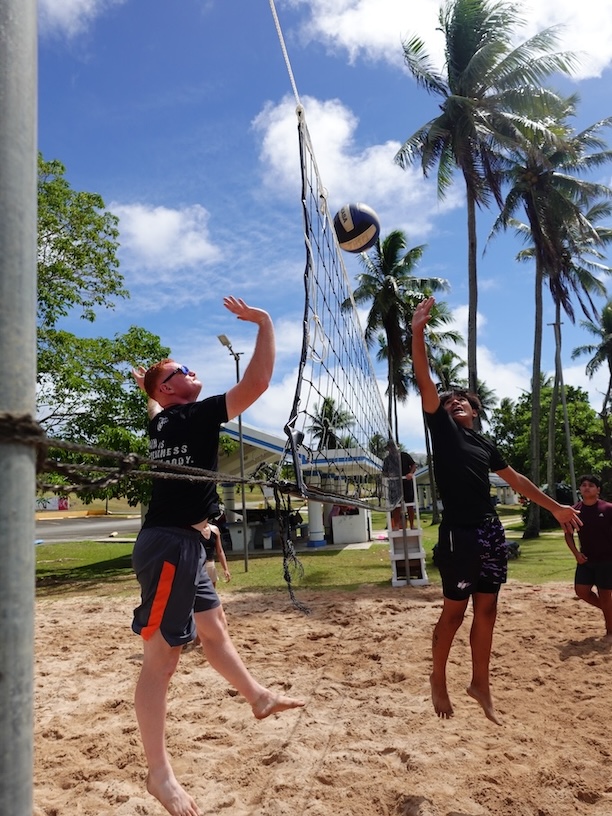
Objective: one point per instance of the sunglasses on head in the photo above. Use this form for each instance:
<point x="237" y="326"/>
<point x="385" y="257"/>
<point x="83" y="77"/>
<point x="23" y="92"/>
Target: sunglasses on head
<point x="180" y="370"/>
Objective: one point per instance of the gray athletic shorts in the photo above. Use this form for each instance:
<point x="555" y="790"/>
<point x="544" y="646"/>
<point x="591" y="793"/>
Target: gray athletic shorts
<point x="169" y="563"/>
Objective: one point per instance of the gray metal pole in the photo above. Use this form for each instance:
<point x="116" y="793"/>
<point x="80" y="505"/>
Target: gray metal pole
<point x="236" y="355"/>
<point x="245" y="538"/>
<point x="18" y="97"/>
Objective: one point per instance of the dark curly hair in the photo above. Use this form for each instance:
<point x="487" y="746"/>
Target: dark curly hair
<point x="462" y="393"/>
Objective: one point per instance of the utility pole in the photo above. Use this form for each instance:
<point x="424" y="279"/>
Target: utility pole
<point x="236" y="355"/>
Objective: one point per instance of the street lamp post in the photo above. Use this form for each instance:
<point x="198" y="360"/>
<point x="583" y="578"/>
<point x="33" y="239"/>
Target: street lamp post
<point x="236" y="355"/>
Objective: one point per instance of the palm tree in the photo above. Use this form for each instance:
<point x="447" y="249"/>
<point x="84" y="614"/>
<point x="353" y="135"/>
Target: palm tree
<point x="488" y="400"/>
<point x="327" y="421"/>
<point x="487" y="88"/>
<point x="390" y="285"/>
<point x="446" y="365"/>
<point x="544" y="181"/>
<point x="583" y="271"/>
<point x="601" y="355"/>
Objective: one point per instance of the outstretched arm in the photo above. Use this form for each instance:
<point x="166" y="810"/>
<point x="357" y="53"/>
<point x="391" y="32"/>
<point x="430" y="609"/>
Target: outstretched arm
<point x="420" y="363"/>
<point x="258" y="373"/>
<point x="567" y="516"/>
<point x="153" y="407"/>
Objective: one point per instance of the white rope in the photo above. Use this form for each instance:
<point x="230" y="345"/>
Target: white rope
<point x="285" y="54"/>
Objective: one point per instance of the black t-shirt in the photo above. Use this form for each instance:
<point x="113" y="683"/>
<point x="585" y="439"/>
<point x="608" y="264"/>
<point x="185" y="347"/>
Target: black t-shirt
<point x="185" y="435"/>
<point x="462" y="461"/>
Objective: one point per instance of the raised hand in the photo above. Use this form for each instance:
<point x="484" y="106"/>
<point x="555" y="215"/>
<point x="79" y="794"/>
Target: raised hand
<point x="422" y="314"/>
<point x="242" y="311"/>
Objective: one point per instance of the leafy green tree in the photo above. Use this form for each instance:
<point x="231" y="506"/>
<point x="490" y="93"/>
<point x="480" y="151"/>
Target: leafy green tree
<point x="78" y="268"/>
<point x="544" y="177"/>
<point x="85" y="384"/>
<point x="511" y="429"/>
<point x="85" y="392"/>
<point x="584" y="270"/>
<point x="489" y="85"/>
<point x="601" y="355"/>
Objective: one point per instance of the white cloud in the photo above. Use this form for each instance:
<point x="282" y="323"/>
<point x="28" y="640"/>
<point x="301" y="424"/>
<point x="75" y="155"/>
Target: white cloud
<point x="460" y="322"/>
<point x="506" y="379"/>
<point x="374" y="29"/>
<point x="596" y="387"/>
<point x="370" y="29"/>
<point x="271" y="411"/>
<point x="403" y="199"/>
<point x="71" y="17"/>
<point x="166" y="255"/>
<point x="410" y="422"/>
<point x="161" y="238"/>
<point x="586" y="30"/>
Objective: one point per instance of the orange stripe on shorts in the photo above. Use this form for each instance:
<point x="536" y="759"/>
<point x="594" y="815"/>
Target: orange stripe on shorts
<point x="160" y="600"/>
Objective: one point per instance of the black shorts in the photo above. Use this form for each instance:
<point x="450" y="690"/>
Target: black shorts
<point x="169" y="564"/>
<point x="594" y="573"/>
<point x="472" y="559"/>
<point x="408" y="487"/>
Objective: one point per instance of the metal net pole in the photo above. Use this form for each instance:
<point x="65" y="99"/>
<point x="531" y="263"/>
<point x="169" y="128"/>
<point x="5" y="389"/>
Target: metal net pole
<point x="18" y="93"/>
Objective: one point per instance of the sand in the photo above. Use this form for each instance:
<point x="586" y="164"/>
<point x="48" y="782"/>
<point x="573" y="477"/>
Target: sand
<point x="367" y="743"/>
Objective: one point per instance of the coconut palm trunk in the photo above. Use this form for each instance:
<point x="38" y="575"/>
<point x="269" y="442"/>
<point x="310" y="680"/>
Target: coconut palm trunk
<point x="532" y="525"/>
<point x="551" y="479"/>
<point x="473" y="296"/>
<point x="561" y="386"/>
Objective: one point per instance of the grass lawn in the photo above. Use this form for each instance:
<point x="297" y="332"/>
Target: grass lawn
<point x="106" y="566"/>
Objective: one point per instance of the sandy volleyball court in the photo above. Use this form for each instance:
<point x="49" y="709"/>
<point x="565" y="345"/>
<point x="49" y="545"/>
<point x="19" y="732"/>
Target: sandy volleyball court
<point x="367" y="743"/>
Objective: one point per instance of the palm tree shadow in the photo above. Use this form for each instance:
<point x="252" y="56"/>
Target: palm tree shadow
<point x="62" y="578"/>
<point x="584" y="648"/>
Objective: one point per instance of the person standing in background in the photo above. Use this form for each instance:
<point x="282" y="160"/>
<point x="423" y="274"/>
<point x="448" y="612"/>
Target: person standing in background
<point x="594" y="558"/>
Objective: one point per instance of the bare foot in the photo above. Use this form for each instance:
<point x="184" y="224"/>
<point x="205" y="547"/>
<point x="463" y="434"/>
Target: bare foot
<point x="440" y="699"/>
<point x="165" y="788"/>
<point x="485" y="700"/>
<point x="269" y="703"/>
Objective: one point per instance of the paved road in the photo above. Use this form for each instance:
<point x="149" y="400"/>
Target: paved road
<point x="82" y="529"/>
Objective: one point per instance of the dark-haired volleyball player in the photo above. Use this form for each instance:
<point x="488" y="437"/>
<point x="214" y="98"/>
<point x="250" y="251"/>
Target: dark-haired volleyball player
<point x="471" y="545"/>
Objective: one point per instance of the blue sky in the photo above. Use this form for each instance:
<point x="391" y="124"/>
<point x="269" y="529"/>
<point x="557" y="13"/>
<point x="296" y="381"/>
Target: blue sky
<point x="181" y="115"/>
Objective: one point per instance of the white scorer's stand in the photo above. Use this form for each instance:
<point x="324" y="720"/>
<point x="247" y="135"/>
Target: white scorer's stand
<point x="406" y="552"/>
